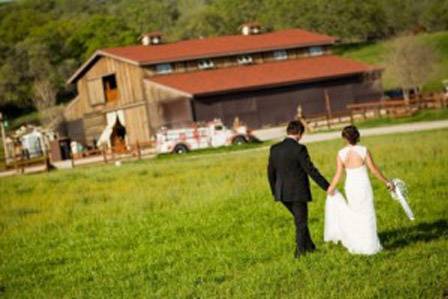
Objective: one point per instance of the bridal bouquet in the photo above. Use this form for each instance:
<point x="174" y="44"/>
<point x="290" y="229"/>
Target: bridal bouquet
<point x="400" y="194"/>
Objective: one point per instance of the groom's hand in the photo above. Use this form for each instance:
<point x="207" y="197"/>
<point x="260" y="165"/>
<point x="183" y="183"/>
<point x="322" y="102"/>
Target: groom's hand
<point x="331" y="190"/>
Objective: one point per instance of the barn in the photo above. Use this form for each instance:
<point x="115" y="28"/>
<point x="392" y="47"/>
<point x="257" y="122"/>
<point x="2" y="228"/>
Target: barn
<point x="126" y="94"/>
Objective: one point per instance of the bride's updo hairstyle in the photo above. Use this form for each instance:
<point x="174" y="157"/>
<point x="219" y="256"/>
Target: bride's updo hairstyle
<point x="351" y="134"/>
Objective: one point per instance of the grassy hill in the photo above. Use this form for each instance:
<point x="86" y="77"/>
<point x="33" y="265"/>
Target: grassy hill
<point x="374" y="53"/>
<point x="206" y="226"/>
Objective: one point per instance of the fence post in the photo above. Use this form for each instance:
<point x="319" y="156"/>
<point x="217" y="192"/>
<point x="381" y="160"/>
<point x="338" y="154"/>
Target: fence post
<point x="139" y="153"/>
<point x="15" y="161"/>
<point x="112" y="154"/>
<point x="351" y="117"/>
<point x="103" y="151"/>
<point x="47" y="162"/>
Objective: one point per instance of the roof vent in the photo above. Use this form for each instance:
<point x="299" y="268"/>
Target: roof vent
<point x="251" y="28"/>
<point x="151" y="38"/>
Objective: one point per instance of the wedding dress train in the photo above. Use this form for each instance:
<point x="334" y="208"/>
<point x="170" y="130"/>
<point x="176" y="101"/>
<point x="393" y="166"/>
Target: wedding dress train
<point x="353" y="221"/>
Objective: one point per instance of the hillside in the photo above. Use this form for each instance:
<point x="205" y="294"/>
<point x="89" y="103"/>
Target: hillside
<point x="375" y="53"/>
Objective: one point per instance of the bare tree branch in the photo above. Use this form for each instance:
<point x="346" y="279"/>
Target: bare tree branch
<point x="411" y="63"/>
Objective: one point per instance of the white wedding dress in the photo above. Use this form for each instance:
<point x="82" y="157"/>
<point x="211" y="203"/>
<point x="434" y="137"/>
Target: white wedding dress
<point x="353" y="221"/>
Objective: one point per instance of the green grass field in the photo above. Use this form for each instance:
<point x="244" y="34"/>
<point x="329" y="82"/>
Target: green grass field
<point x="205" y="226"/>
<point x="375" y="53"/>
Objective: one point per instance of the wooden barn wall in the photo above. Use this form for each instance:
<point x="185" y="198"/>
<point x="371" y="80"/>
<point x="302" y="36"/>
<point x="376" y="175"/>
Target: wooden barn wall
<point x="75" y="130"/>
<point x="85" y="121"/>
<point x="137" y="126"/>
<point x="74" y="109"/>
<point x="94" y="125"/>
<point x="129" y="82"/>
<point x="279" y="105"/>
<point x="177" y="114"/>
<point x="161" y="102"/>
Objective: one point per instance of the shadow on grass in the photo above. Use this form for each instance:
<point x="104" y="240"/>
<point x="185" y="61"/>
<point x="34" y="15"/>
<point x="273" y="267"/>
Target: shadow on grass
<point x="422" y="232"/>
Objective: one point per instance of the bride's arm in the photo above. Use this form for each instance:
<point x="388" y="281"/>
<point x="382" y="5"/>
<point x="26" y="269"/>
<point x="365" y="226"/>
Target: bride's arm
<point x="375" y="170"/>
<point x="337" y="176"/>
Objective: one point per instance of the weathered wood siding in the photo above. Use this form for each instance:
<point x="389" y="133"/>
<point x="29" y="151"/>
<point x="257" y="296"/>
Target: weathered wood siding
<point x="129" y="82"/>
<point x="94" y="124"/>
<point x="137" y="124"/>
<point x="158" y="98"/>
<point x="269" y="107"/>
<point x="87" y="113"/>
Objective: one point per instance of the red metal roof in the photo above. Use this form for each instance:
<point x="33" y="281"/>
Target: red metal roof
<point x="264" y="75"/>
<point x="218" y="46"/>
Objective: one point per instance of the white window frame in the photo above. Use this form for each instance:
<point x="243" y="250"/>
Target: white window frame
<point x="164" y="68"/>
<point x="245" y="59"/>
<point x="206" y="64"/>
<point x="280" y="55"/>
<point x="316" y="51"/>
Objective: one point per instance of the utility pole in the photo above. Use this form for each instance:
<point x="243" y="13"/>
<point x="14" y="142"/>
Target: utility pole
<point x="2" y="128"/>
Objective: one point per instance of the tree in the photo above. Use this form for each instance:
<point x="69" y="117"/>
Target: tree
<point x="203" y="21"/>
<point x="147" y="15"/>
<point x="411" y="63"/>
<point x="45" y="102"/>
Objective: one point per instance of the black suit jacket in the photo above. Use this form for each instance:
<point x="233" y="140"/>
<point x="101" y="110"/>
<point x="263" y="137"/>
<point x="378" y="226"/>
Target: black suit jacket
<point x="288" y="170"/>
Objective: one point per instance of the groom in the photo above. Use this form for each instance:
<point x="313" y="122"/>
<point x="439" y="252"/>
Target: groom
<point x="288" y="170"/>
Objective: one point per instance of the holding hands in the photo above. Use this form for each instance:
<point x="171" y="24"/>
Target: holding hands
<point x="331" y="190"/>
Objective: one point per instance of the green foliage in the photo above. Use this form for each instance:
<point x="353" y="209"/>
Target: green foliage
<point x="51" y="38"/>
<point x="99" y="32"/>
<point x="207" y="227"/>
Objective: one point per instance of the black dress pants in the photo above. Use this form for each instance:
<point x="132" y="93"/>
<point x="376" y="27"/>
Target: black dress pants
<point x="299" y="210"/>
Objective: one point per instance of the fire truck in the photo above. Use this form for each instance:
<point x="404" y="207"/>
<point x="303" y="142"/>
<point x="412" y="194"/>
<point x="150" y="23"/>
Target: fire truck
<point x="200" y="136"/>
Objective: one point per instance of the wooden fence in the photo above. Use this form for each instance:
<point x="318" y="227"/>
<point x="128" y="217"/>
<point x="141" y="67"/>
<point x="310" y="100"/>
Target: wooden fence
<point x="398" y="107"/>
<point x="20" y="164"/>
<point x="112" y="154"/>
<point x="376" y="109"/>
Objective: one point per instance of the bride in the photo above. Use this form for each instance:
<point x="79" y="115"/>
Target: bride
<point x="353" y="221"/>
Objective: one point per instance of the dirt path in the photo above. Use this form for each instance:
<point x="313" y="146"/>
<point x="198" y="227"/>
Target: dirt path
<point x="278" y="133"/>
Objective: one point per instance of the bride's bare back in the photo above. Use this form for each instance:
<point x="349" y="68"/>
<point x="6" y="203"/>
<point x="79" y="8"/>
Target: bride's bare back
<point x="353" y="156"/>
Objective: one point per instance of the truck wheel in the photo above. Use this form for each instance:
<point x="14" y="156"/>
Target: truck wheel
<point x="238" y="140"/>
<point x="180" y="149"/>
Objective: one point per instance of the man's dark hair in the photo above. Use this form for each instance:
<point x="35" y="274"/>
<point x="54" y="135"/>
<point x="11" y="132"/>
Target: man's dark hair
<point x="351" y="134"/>
<point x="295" y="127"/>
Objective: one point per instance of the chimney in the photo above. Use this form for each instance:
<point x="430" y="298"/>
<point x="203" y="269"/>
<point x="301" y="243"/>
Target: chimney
<point x="251" y="28"/>
<point x="151" y="38"/>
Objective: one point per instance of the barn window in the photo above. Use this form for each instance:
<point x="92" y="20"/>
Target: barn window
<point x="206" y="64"/>
<point x="280" y="55"/>
<point x="164" y="68"/>
<point x="110" y="88"/>
<point x="245" y="59"/>
<point x="316" y="51"/>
